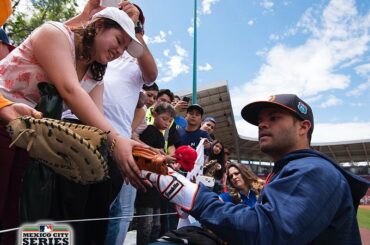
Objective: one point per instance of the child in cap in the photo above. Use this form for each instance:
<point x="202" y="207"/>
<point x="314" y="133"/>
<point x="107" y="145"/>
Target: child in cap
<point x="192" y="134"/>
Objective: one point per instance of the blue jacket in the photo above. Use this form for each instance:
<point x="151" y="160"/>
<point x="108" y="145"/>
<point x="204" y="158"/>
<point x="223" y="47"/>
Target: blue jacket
<point x="309" y="200"/>
<point x="249" y="200"/>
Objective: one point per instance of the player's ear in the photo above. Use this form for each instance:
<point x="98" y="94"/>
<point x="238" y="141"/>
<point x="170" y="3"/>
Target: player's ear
<point x="305" y="126"/>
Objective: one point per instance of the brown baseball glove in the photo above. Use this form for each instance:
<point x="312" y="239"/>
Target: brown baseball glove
<point x="149" y="160"/>
<point x="75" y="151"/>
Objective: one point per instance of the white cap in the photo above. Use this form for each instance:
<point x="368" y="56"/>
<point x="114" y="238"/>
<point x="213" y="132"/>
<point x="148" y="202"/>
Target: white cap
<point x="135" y="48"/>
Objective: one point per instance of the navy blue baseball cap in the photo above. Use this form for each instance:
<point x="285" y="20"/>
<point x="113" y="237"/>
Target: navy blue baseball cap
<point x="288" y="102"/>
<point x="5" y="40"/>
<point x="195" y="107"/>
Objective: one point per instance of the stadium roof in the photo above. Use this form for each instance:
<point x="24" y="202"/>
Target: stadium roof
<point x="215" y="100"/>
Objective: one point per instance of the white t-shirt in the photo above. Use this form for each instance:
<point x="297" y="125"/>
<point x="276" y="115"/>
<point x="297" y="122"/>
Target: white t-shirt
<point x="142" y="126"/>
<point x="122" y="83"/>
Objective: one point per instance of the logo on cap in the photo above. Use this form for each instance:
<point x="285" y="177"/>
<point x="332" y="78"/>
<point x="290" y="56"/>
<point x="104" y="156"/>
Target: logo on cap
<point x="302" y="108"/>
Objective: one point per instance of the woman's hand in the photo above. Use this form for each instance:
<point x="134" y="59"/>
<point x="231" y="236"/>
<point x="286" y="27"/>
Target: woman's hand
<point x="130" y="10"/>
<point x="122" y="154"/>
<point x="91" y="8"/>
<point x="16" y="110"/>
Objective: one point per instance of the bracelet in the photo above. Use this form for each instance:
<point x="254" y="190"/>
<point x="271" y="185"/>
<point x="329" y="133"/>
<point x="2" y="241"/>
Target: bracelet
<point x="139" y="27"/>
<point x="112" y="145"/>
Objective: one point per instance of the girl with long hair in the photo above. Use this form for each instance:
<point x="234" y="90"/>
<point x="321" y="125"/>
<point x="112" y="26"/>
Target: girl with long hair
<point x="214" y="165"/>
<point x="240" y="178"/>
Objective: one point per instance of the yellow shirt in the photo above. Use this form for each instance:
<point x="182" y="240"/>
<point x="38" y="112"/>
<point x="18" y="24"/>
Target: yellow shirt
<point x="150" y="121"/>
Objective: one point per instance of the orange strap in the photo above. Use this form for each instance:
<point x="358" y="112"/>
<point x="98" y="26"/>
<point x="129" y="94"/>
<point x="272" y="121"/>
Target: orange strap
<point x="5" y="10"/>
<point x="4" y="102"/>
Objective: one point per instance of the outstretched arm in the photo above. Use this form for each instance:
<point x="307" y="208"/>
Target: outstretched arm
<point x="62" y="73"/>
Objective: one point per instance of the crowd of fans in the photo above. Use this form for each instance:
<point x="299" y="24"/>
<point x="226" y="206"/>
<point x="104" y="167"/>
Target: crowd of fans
<point x="107" y="44"/>
<point x="161" y="115"/>
<point x="131" y="102"/>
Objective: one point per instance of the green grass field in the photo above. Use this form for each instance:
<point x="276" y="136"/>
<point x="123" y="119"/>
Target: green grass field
<point x="363" y="217"/>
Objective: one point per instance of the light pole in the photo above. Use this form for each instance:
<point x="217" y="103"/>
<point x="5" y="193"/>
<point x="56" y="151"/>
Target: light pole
<point x="194" y="94"/>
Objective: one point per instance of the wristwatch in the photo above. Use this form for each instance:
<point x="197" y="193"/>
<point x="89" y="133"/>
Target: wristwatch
<point x="139" y="27"/>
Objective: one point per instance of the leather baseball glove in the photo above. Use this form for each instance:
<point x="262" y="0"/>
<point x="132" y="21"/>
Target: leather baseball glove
<point x="147" y="159"/>
<point x="75" y="151"/>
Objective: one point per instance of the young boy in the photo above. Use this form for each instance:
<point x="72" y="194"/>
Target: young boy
<point x="208" y="125"/>
<point x="192" y="134"/>
<point x="149" y="203"/>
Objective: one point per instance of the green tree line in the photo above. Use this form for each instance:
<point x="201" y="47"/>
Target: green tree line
<point x="24" y="20"/>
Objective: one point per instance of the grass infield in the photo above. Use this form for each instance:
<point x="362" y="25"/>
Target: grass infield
<point x="363" y="217"/>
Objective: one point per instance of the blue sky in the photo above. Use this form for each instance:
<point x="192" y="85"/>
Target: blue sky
<point x="317" y="49"/>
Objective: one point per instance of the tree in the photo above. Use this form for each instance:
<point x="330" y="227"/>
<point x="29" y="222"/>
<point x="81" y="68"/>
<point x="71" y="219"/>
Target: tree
<point x="24" y="21"/>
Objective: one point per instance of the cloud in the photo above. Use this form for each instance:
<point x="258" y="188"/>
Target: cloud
<point x="191" y="28"/>
<point x="310" y="68"/>
<point x="262" y="53"/>
<point x="166" y="52"/>
<point x="174" y="66"/>
<point x="206" y="10"/>
<point x="328" y="132"/>
<point x="360" y="89"/>
<point x="250" y="22"/>
<point x="323" y="132"/>
<point x="160" y="38"/>
<point x="335" y="35"/>
<point x="206" y="6"/>
<point x="206" y="67"/>
<point x="331" y="101"/>
<point x="363" y="69"/>
<point x="274" y="37"/>
<point x="267" y="4"/>
<point x="305" y="70"/>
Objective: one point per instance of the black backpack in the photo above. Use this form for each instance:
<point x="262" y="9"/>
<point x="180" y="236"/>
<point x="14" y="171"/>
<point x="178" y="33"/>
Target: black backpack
<point x="191" y="235"/>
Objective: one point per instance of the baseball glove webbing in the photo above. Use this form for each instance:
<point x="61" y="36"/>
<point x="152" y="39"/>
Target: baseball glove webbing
<point x="76" y="151"/>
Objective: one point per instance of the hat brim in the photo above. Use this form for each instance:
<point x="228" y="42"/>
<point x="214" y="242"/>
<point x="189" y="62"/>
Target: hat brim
<point x="195" y="107"/>
<point x="135" y="48"/>
<point x="251" y="111"/>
